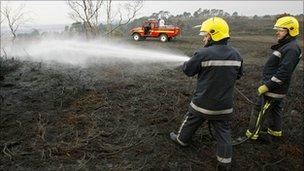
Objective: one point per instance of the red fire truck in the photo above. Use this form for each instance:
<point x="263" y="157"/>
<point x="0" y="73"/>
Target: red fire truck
<point x="151" y="28"/>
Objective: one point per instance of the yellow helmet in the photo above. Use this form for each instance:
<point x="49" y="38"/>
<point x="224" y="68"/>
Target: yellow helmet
<point x="216" y="27"/>
<point x="288" y="22"/>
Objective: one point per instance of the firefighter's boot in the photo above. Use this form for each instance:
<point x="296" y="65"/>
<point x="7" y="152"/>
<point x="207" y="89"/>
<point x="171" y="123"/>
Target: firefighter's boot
<point x="174" y="138"/>
<point x="223" y="166"/>
<point x="264" y="138"/>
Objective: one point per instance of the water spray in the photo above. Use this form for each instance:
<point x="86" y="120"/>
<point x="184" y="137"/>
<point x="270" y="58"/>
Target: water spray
<point x="80" y="52"/>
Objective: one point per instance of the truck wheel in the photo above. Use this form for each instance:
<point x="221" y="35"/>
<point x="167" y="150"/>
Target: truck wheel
<point x="163" y="38"/>
<point x="136" y="37"/>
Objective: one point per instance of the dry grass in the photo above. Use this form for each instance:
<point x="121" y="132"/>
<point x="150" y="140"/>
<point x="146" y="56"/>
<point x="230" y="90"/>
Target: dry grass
<point x="112" y="118"/>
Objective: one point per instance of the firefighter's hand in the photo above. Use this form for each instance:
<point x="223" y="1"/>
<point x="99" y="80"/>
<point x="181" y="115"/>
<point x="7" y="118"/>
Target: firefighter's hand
<point x="262" y="89"/>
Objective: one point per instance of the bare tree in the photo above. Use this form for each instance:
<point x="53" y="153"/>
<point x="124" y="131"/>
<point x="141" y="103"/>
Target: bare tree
<point x="88" y="12"/>
<point x="109" y="15"/>
<point x="14" y="18"/>
<point x="1" y="18"/>
<point x="126" y="13"/>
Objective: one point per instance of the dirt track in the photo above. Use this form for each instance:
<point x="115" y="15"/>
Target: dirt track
<point x="112" y="118"/>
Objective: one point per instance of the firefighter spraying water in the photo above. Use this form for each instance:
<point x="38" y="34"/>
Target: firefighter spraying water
<point x="218" y="66"/>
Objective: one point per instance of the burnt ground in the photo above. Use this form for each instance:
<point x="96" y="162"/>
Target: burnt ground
<point x="118" y="117"/>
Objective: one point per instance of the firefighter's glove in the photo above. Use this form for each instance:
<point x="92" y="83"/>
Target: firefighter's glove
<point x="262" y="89"/>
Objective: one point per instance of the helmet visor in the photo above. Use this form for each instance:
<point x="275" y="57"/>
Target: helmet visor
<point x="279" y="28"/>
<point x="203" y="33"/>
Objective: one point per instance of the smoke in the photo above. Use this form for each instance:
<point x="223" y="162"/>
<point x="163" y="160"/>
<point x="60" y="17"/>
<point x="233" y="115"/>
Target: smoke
<point x="83" y="53"/>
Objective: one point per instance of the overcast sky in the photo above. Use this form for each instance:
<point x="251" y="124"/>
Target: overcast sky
<point x="56" y="12"/>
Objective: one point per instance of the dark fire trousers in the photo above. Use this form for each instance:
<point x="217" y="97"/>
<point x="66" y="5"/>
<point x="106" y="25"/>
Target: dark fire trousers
<point x="272" y="121"/>
<point x="222" y="134"/>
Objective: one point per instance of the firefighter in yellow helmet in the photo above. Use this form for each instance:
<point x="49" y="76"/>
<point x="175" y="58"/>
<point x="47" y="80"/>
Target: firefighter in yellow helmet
<point x="217" y="66"/>
<point x="277" y="74"/>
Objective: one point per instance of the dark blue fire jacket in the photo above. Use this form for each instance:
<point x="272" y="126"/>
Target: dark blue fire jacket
<point x="278" y="69"/>
<point x="217" y="67"/>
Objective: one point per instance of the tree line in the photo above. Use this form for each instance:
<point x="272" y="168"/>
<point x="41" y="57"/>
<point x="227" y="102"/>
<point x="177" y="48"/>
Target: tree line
<point x="87" y="16"/>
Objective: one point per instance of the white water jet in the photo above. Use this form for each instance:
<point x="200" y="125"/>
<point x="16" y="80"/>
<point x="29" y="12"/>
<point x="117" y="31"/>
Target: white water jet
<point x="80" y="52"/>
